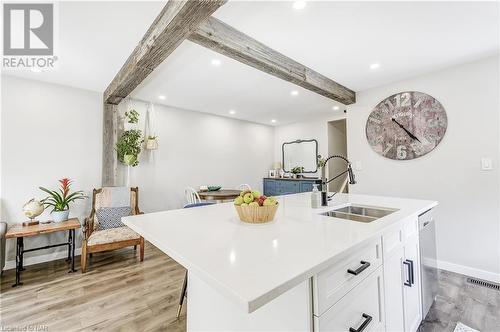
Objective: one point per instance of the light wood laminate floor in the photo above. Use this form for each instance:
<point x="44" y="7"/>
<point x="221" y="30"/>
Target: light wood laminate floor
<point x="118" y="293"/>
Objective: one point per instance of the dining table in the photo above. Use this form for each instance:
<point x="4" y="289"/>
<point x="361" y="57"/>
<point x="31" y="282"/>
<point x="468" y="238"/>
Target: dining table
<point x="219" y="195"/>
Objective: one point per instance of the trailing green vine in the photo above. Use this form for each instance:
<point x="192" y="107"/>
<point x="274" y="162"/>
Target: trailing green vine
<point x="132" y="116"/>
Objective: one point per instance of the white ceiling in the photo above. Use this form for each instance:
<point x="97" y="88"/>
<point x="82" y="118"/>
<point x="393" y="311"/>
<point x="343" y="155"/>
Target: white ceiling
<point x="338" y="39"/>
<point x="95" y="38"/>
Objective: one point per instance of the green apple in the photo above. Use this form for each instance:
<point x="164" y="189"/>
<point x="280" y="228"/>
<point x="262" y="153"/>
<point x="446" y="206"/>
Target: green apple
<point x="248" y="198"/>
<point x="243" y="204"/>
<point x="270" y="201"/>
<point x="253" y="204"/>
<point x="256" y="194"/>
<point x="238" y="200"/>
<point x="244" y="192"/>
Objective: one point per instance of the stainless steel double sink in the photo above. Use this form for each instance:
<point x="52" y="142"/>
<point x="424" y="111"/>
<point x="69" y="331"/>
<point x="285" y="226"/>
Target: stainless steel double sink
<point x="360" y="213"/>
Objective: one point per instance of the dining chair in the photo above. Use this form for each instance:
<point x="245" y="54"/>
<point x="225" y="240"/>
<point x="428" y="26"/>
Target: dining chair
<point x="184" y="284"/>
<point x="244" y="186"/>
<point x="192" y="196"/>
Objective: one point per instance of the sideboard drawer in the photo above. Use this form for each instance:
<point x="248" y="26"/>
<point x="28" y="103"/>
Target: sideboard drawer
<point x="363" y="306"/>
<point x="274" y="187"/>
<point x="270" y="187"/>
<point x="306" y="186"/>
<point x="288" y="187"/>
<point x="331" y="284"/>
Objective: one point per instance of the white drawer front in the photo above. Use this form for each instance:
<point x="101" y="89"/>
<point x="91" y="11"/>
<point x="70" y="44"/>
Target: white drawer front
<point x="356" y="308"/>
<point x="333" y="283"/>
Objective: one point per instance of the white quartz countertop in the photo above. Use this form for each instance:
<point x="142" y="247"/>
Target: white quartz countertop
<point x="253" y="264"/>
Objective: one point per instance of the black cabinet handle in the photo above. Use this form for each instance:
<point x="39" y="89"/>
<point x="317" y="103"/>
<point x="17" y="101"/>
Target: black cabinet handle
<point x="412" y="273"/>
<point x="364" y="266"/>
<point x="363" y="326"/>
<point x="411" y="276"/>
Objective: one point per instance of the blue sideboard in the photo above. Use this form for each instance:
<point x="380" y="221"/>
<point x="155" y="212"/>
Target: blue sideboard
<point x="276" y="187"/>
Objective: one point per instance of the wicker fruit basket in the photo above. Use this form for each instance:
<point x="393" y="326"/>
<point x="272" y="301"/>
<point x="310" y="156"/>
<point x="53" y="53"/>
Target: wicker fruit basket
<point x="256" y="214"/>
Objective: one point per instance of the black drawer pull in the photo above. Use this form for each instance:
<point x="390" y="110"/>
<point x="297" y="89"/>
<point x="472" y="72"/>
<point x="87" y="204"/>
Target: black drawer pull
<point x="411" y="276"/>
<point x="364" y="266"/>
<point x="363" y="326"/>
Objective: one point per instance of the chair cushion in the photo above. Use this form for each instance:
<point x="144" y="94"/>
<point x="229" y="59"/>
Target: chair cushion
<point x="111" y="217"/>
<point x="112" y="235"/>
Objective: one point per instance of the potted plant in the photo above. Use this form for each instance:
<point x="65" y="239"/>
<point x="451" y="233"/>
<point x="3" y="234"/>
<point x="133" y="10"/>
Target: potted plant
<point x="60" y="199"/>
<point x="128" y="147"/>
<point x="152" y="143"/>
<point x="297" y="170"/>
<point x="131" y="119"/>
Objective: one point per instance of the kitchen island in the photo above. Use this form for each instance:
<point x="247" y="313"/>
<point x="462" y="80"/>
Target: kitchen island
<point x="290" y="274"/>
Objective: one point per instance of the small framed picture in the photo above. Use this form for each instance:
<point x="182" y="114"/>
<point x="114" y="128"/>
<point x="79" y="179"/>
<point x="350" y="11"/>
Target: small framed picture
<point x="272" y="173"/>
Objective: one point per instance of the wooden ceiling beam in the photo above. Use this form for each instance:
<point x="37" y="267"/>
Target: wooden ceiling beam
<point x="224" y="39"/>
<point x="177" y="20"/>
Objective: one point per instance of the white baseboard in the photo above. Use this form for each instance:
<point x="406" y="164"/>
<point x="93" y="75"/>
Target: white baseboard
<point x="42" y="258"/>
<point x="469" y="271"/>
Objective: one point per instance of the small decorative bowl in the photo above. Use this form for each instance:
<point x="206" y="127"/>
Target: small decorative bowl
<point x="214" y="188"/>
<point x="256" y="214"/>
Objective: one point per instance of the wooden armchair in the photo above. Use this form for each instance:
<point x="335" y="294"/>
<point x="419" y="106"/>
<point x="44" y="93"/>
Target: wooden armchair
<point x="96" y="240"/>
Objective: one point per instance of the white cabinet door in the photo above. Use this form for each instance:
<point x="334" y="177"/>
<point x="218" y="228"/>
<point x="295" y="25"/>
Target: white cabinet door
<point x="393" y="285"/>
<point x="402" y="280"/>
<point x="362" y="309"/>
<point x="411" y="281"/>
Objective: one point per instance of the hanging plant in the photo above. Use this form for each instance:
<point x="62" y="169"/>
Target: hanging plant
<point x="128" y="147"/>
<point x="152" y="143"/>
<point x="132" y="116"/>
<point x="152" y="137"/>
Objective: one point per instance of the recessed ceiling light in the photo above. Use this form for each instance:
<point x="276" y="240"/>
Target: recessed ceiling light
<point x="232" y="112"/>
<point x="162" y="97"/>
<point x="335" y="108"/>
<point x="273" y="120"/>
<point x="36" y="70"/>
<point x="294" y="93"/>
<point x="299" y="5"/>
<point x="374" y="65"/>
<point x="216" y="62"/>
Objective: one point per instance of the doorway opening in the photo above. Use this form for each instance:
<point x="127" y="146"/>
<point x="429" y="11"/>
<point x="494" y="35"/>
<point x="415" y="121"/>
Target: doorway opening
<point x="337" y="144"/>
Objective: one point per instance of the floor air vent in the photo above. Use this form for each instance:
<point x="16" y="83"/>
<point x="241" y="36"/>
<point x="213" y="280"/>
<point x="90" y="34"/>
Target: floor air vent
<point x="483" y="283"/>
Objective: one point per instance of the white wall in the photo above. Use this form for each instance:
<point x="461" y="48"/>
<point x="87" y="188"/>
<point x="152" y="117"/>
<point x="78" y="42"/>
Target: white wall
<point x="468" y="226"/>
<point x="48" y="132"/>
<point x="51" y="131"/>
<point x="198" y="149"/>
<point x="317" y="129"/>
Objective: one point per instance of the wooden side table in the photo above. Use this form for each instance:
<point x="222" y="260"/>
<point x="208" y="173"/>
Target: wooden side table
<point x="19" y="232"/>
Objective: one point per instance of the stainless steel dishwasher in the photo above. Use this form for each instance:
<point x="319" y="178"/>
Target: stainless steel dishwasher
<point x="428" y="260"/>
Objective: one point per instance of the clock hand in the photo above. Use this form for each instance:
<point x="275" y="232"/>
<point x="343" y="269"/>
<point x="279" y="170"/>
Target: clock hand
<point x="406" y="130"/>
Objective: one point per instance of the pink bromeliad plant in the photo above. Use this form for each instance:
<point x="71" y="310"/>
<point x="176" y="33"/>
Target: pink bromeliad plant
<point x="60" y="199"/>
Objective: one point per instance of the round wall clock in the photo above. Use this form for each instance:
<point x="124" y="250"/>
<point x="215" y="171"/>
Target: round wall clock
<point x="406" y="125"/>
